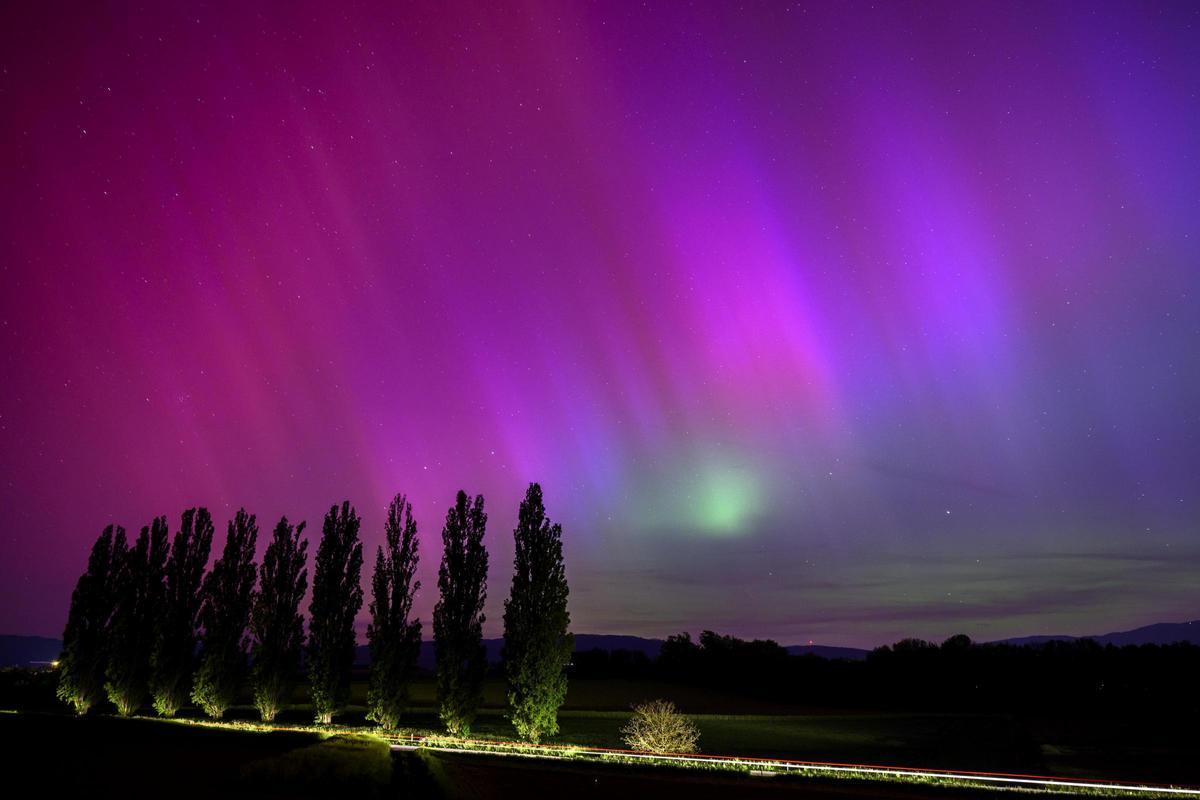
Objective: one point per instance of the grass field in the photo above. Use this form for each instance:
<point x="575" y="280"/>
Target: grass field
<point x="103" y="756"/>
<point x="100" y="756"/>
<point x="1157" y="748"/>
<point x="483" y="778"/>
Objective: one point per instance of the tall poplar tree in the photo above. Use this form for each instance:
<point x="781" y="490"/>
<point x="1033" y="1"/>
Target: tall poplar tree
<point x="84" y="659"/>
<point x="174" y="654"/>
<point x="395" y="638"/>
<point x="537" y="644"/>
<point x="228" y="590"/>
<point x="140" y="588"/>
<point x="276" y="624"/>
<point x="336" y="599"/>
<point x="458" y="617"/>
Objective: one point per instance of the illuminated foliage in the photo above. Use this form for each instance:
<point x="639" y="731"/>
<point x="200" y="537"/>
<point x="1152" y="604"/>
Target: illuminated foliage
<point x="85" y="640"/>
<point x="336" y="599"/>
<point x="458" y="617"/>
<point x="276" y="625"/>
<point x="139" y="590"/>
<point x="395" y="639"/>
<point x="228" y="590"/>
<point x="173" y="658"/>
<point x="537" y="646"/>
<point x="656" y="727"/>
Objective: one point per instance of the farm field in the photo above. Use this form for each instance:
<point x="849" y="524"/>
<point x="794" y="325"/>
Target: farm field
<point x="484" y="778"/>
<point x="1147" y="747"/>
<point x="1151" y="748"/>
<point x="55" y="755"/>
<point x="109" y="757"/>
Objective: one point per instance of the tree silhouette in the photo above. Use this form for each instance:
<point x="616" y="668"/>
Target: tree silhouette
<point x="336" y="599"/>
<point x="175" y="641"/>
<point x="537" y="646"/>
<point x="276" y="625"/>
<point x="85" y="651"/>
<point x="139" y="591"/>
<point x="458" y="617"/>
<point x="395" y="639"/>
<point x="228" y="590"/>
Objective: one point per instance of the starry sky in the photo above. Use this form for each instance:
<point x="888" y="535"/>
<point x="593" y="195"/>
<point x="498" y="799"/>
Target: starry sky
<point x="839" y="322"/>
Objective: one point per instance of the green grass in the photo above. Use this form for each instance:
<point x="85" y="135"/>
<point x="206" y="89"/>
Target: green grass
<point x="107" y="755"/>
<point x="441" y="746"/>
<point x="355" y="763"/>
<point x="1152" y="749"/>
<point x="961" y="742"/>
<point x="1157" y="748"/>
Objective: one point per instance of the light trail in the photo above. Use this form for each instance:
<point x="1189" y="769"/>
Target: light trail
<point x="777" y="766"/>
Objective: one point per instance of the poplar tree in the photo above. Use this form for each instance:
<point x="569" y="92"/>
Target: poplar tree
<point x="84" y="659"/>
<point x="174" y="654"/>
<point x="336" y="599"/>
<point x="139" y="595"/>
<point x="458" y="616"/>
<point x="395" y="639"/>
<point x="276" y="624"/>
<point x="228" y="590"/>
<point x="537" y="645"/>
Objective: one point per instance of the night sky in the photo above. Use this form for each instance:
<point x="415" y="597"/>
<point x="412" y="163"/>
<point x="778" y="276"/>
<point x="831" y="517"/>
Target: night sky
<point x="836" y="322"/>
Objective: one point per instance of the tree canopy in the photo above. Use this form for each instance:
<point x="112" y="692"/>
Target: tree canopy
<point x="336" y="599"/>
<point x="138" y="594"/>
<point x="173" y="656"/>
<point x="85" y="641"/>
<point x="276" y="624"/>
<point x="395" y="638"/>
<point x="228" y="590"/>
<point x="537" y="644"/>
<point x="458" y="616"/>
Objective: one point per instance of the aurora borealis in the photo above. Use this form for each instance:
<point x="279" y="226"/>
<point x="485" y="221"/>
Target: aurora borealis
<point x="840" y="322"/>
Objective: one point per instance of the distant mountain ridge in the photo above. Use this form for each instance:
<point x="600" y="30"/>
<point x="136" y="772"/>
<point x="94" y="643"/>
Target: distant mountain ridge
<point x="17" y="651"/>
<point x="827" y="651"/>
<point x="23" y="651"/>
<point x="1158" y="633"/>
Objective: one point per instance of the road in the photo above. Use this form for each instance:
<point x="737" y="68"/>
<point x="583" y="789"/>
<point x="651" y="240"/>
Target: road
<point x="476" y="764"/>
<point x="469" y="775"/>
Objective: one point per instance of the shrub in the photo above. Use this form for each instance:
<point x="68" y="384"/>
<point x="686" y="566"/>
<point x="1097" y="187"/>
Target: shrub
<point x="656" y="727"/>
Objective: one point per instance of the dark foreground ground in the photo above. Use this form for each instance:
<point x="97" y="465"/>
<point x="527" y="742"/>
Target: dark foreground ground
<point x="106" y="757"/>
<point x="52" y="750"/>
<point x="96" y="757"/>
<point x="1155" y="743"/>
<point x="474" y="776"/>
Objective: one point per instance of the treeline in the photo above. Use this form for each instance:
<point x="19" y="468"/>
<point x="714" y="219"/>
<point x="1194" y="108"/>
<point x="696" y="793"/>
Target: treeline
<point x="150" y="623"/>
<point x="957" y="675"/>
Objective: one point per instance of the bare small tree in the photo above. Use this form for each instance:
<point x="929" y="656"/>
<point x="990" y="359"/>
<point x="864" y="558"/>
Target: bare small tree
<point x="656" y="727"/>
